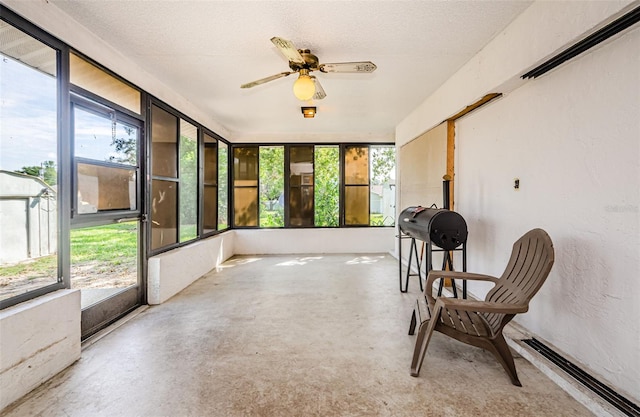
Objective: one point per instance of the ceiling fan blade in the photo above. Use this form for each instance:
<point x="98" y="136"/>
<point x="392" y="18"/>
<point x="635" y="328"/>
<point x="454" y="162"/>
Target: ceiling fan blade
<point x="288" y="49"/>
<point x="320" y="94"/>
<point x="362" y="66"/>
<point x="266" y="79"/>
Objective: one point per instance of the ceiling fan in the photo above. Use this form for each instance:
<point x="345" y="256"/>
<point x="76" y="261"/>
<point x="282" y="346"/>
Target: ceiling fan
<point x="303" y="62"/>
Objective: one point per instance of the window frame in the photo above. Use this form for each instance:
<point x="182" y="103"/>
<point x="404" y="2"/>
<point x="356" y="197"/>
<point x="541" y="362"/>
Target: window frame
<point x="153" y="101"/>
<point x="229" y="186"/>
<point x="63" y="154"/>
<point x="344" y="186"/>
<point x="67" y="163"/>
<point x="232" y="186"/>
<point x="340" y="188"/>
<point x="201" y="171"/>
<point x="371" y="178"/>
<point x="284" y="190"/>
<point x="198" y="175"/>
<point x="288" y="187"/>
<point x="287" y="145"/>
<point x="101" y="109"/>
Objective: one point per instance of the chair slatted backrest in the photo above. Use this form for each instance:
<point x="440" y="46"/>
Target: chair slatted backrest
<point x="531" y="260"/>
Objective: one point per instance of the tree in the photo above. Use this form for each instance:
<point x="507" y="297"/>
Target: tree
<point x="126" y="146"/>
<point x="327" y="186"/>
<point x="46" y="171"/>
<point x="223" y="186"/>
<point x="188" y="188"/>
<point x="34" y="171"/>
<point x="50" y="173"/>
<point x="383" y="163"/>
<point x="271" y="174"/>
<point x="271" y="185"/>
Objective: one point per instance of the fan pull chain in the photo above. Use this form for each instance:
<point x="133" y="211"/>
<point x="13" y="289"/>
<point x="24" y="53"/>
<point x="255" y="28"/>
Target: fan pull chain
<point x="113" y="126"/>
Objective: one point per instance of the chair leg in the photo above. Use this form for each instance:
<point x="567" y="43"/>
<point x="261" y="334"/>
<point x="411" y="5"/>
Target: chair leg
<point x="422" y="341"/>
<point x="501" y="351"/>
<point x="412" y="326"/>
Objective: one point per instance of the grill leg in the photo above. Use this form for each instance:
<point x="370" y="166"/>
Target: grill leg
<point x="420" y="267"/>
<point x="400" y="259"/>
<point x="464" y="269"/>
<point x="411" y="250"/>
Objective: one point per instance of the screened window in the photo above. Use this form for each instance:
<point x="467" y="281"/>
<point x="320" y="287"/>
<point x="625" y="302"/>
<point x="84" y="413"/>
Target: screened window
<point x="189" y="172"/>
<point x="188" y="187"/>
<point x="271" y="186"/>
<point x="210" y="186"/>
<point x="223" y="187"/>
<point x="105" y="188"/>
<point x="301" y="186"/>
<point x="356" y="185"/>
<point x="245" y="186"/>
<point x="98" y="136"/>
<point x="383" y="185"/>
<point x="314" y="185"/>
<point x="327" y="186"/>
<point x="164" y="143"/>
<point x="28" y="166"/>
<point x="106" y="157"/>
<point x="164" y="184"/>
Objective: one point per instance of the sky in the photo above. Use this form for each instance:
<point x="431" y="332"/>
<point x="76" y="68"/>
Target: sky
<point x="28" y="115"/>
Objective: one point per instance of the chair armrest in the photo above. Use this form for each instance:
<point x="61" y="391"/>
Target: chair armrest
<point x="434" y="275"/>
<point x="481" y="306"/>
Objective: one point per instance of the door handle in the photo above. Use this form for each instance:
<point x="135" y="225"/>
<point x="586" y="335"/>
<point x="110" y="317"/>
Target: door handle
<point x="128" y="219"/>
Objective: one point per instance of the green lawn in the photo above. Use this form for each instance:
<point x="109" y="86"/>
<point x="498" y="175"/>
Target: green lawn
<point x="44" y="266"/>
<point x="115" y="244"/>
<point x="100" y="256"/>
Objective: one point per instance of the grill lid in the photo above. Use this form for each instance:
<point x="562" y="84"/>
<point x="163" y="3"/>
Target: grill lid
<point x="446" y="229"/>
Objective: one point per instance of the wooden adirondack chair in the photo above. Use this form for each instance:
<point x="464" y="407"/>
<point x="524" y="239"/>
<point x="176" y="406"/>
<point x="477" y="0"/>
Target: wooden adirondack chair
<point x="480" y="323"/>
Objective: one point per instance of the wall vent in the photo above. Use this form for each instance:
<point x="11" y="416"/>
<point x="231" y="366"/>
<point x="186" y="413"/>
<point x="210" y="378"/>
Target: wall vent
<point x="618" y="401"/>
<point x="589" y="42"/>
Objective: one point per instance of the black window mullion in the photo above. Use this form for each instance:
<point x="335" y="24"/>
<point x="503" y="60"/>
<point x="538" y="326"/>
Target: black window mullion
<point x="64" y="160"/>
<point x="287" y="177"/>
<point x="216" y="219"/>
<point x="341" y="203"/>
<point x="200" y="181"/>
<point x="313" y="185"/>
<point x="178" y="182"/>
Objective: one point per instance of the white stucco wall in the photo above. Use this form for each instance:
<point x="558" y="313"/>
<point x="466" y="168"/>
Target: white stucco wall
<point x="572" y="137"/>
<point x="38" y="339"/>
<point x="171" y="272"/>
<point x="343" y="240"/>
<point x="540" y="32"/>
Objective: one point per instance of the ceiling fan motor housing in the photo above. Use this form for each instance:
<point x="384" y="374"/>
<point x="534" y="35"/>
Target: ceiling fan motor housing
<point x="311" y="62"/>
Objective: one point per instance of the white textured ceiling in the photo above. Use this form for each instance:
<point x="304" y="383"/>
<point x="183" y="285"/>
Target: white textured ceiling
<point x="207" y="49"/>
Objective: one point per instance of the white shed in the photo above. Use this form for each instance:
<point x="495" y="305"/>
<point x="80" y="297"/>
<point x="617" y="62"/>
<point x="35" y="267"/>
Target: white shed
<point x="28" y="215"/>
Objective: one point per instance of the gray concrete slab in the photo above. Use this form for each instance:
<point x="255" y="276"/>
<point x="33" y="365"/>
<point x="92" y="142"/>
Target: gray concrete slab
<point x="289" y="336"/>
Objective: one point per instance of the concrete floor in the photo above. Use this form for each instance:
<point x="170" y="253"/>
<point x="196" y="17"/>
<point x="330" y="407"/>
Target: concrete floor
<point x="289" y="336"/>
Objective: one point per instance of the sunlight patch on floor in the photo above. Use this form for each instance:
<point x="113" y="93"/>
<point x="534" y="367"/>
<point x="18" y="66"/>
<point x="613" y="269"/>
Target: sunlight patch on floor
<point x="365" y="260"/>
<point x="300" y="261"/>
<point x="236" y="262"/>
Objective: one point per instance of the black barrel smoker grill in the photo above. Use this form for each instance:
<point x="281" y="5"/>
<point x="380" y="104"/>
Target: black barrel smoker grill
<point x="441" y="230"/>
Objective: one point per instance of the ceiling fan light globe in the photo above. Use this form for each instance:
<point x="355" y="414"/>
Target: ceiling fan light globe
<point x="304" y="88"/>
